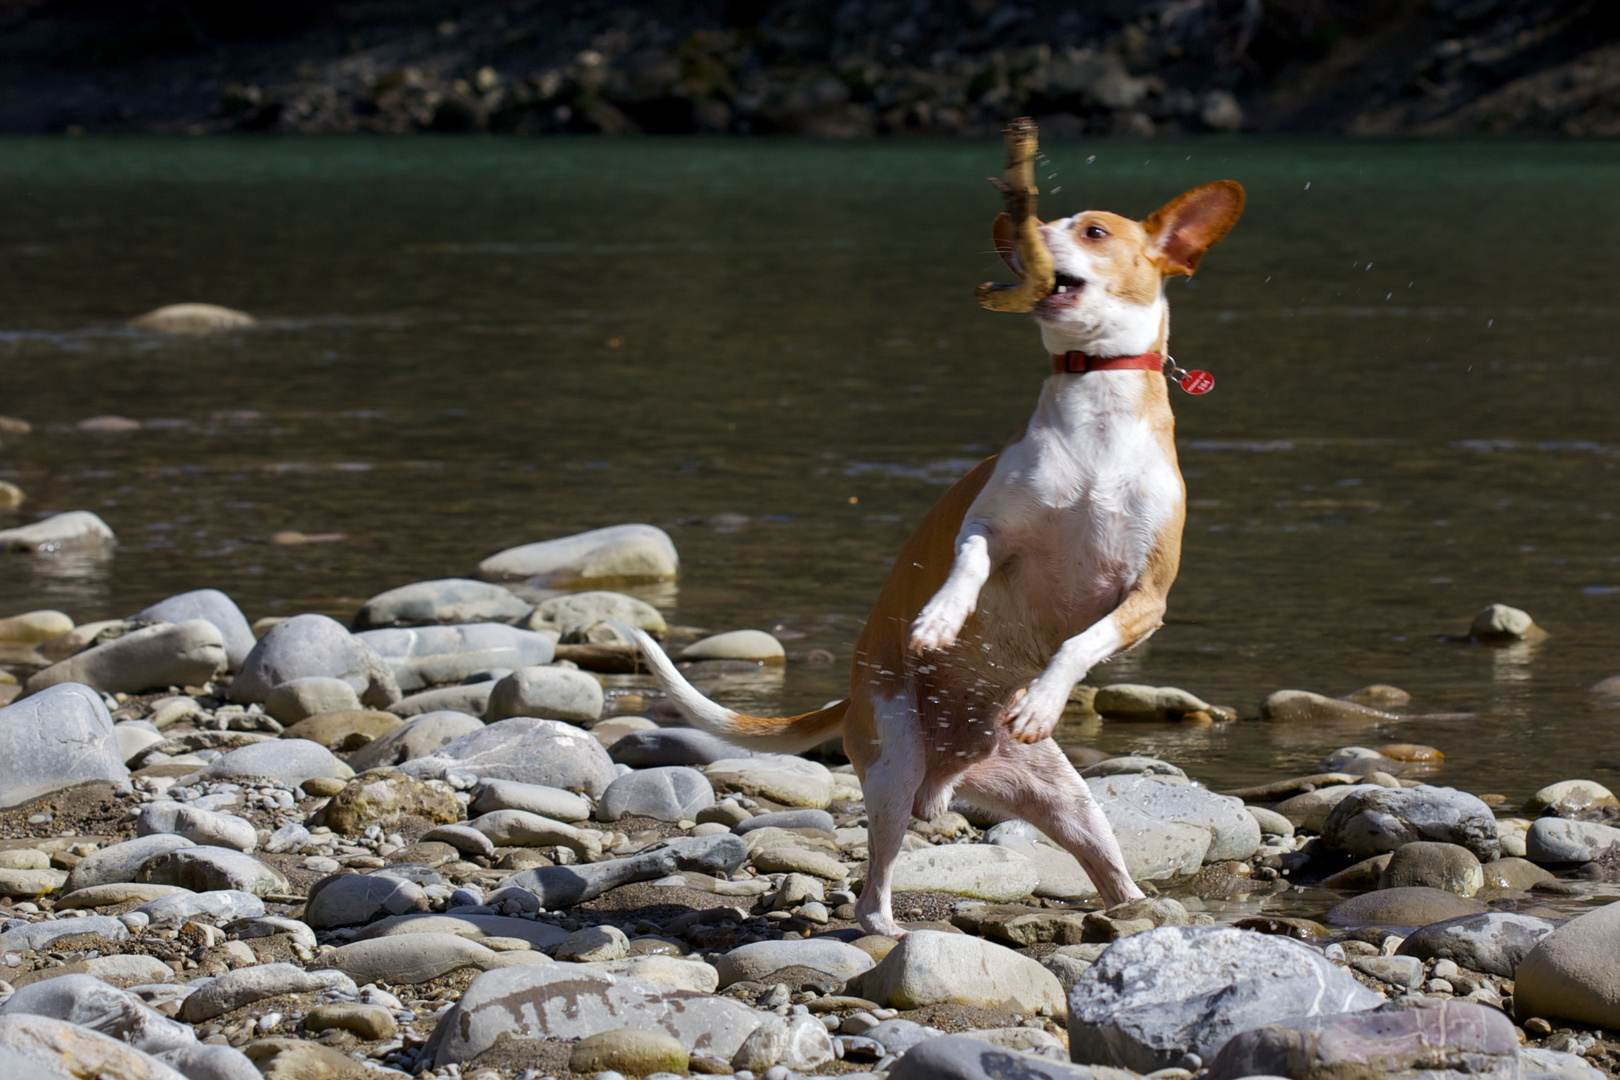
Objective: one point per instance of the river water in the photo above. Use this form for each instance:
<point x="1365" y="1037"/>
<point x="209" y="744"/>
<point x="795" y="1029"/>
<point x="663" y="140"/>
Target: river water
<point x="771" y="350"/>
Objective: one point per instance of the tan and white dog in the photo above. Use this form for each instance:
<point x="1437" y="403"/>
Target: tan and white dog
<point x="1039" y="564"/>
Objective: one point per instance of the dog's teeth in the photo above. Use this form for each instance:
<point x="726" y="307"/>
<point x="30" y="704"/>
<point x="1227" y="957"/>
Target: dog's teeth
<point x="1062" y="289"/>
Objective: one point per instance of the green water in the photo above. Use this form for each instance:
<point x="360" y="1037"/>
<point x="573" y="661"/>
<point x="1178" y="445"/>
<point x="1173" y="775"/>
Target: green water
<point x="1415" y="415"/>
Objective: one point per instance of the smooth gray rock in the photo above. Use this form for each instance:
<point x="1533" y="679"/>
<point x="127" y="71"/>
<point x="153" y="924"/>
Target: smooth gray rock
<point x="564" y="886"/>
<point x="1408" y="905"/>
<point x="1574" y="972"/>
<point x="412" y="958"/>
<point x="1132" y="764"/>
<point x="1234" y="834"/>
<point x="1493" y="942"/>
<point x="447" y="600"/>
<point x="539" y="935"/>
<point x="1538" y="1063"/>
<point x="527" y="750"/>
<point x="572" y="614"/>
<point x="87" y="1001"/>
<point x="1438" y="1040"/>
<point x="1561" y="840"/>
<point x="1000" y="875"/>
<point x="958" y="1057"/>
<point x="224" y="905"/>
<point x="249" y="984"/>
<point x="121" y="862"/>
<point x="672" y="793"/>
<point x="555" y="693"/>
<point x="350" y="899"/>
<point x="548" y="802"/>
<point x="54" y="739"/>
<point x="420" y="736"/>
<point x="1403" y="972"/>
<point x="464" y="838"/>
<point x="1375" y="820"/>
<point x="312" y="695"/>
<point x="470" y="699"/>
<point x="75" y="531"/>
<point x="521" y="1005"/>
<point x="314" y="645"/>
<point x="760" y="958"/>
<point x="1155" y="997"/>
<point x="427" y="655"/>
<point x="197" y="825"/>
<point x="787" y="819"/>
<point x="618" y="552"/>
<point x="212" y="606"/>
<point x="271" y="925"/>
<point x="287" y="762"/>
<point x="930" y="967"/>
<point x="671" y="746"/>
<point x="206" y="1061"/>
<point x="781" y="778"/>
<point x="38" y="936"/>
<point x="205" y="869"/>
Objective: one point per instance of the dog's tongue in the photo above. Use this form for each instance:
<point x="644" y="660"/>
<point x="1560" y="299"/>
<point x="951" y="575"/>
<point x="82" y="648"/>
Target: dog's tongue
<point x="1020" y="193"/>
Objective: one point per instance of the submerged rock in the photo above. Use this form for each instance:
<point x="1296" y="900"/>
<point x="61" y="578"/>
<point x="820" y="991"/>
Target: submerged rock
<point x="616" y="553"/>
<point x="193" y="319"/>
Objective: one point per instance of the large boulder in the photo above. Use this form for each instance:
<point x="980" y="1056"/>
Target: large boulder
<point x="56" y="738"/>
<point x="426" y="655"/>
<point x="521" y="1006"/>
<point x="1156" y="997"/>
<point x="528" y="750"/>
<point x="314" y="645"/>
<point x="1574" y="973"/>
<point x="214" y="607"/>
<point x="1377" y="819"/>
<point x="1438" y="1040"/>
<point x="618" y="553"/>
<point x="448" y="600"/>
<point x="167" y="654"/>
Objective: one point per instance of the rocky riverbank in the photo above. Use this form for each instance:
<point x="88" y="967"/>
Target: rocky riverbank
<point x="944" y="67"/>
<point x="463" y="837"/>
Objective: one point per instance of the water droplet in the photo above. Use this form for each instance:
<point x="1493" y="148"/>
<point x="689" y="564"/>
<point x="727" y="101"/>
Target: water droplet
<point x="1307" y="185"/>
<point x="1091" y="159"/>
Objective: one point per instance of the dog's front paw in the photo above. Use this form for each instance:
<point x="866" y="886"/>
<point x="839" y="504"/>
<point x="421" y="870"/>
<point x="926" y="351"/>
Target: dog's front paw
<point x="1033" y="713"/>
<point x="937" y="626"/>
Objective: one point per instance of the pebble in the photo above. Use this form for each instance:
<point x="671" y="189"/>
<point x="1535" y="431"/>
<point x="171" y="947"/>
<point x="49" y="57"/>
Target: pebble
<point x="307" y="645"/>
<point x="1407" y="906"/>
<point x="247" y="985"/>
<point x="572" y="614"/>
<point x="1375" y="820"/>
<point x="1560" y="840"/>
<point x="928" y="968"/>
<point x="1494" y="942"/>
<point x="670" y="746"/>
<point x="366" y="1021"/>
<point x="1440" y="866"/>
<point x="979" y="871"/>
<point x="448" y="600"/>
<point x="760" y="959"/>
<point x="1569" y="798"/>
<point x="528" y="750"/>
<point x="427" y="655"/>
<point x="629" y="1050"/>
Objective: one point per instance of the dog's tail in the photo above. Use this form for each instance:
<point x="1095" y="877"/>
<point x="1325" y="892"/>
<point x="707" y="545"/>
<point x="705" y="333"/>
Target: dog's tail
<point x="782" y="735"/>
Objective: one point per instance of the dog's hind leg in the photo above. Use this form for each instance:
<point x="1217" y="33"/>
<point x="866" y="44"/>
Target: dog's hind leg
<point x="891" y="784"/>
<point x="1036" y="782"/>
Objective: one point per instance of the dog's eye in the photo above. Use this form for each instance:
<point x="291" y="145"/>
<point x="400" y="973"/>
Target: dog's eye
<point x="1096" y="232"/>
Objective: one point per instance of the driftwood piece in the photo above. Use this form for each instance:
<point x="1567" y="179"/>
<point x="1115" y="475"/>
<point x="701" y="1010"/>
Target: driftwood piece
<point x="1034" y="261"/>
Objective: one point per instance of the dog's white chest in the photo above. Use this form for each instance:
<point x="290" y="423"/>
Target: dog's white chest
<point x="1078" y="505"/>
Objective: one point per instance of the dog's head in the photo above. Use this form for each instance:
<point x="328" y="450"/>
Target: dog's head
<point x="1110" y="270"/>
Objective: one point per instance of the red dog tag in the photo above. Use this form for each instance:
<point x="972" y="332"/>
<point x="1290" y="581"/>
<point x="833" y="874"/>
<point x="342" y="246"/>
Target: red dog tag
<point x="1198" y="382"/>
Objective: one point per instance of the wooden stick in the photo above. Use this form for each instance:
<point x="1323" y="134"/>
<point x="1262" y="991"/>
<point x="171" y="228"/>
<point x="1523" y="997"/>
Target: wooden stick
<point x="1020" y="193"/>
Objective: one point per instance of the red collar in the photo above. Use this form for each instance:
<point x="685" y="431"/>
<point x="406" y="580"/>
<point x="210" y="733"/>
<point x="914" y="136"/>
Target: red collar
<point x="1078" y="363"/>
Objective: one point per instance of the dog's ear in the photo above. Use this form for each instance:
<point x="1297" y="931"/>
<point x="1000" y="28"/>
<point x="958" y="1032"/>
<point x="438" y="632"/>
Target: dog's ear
<point x="1004" y="236"/>
<point x="1192" y="223"/>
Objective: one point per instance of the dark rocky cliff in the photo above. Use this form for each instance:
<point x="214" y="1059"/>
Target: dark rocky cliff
<point x="815" y="67"/>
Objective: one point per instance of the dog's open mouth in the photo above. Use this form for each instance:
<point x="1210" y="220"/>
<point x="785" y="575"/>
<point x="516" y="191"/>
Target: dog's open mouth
<point x="1063" y="284"/>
